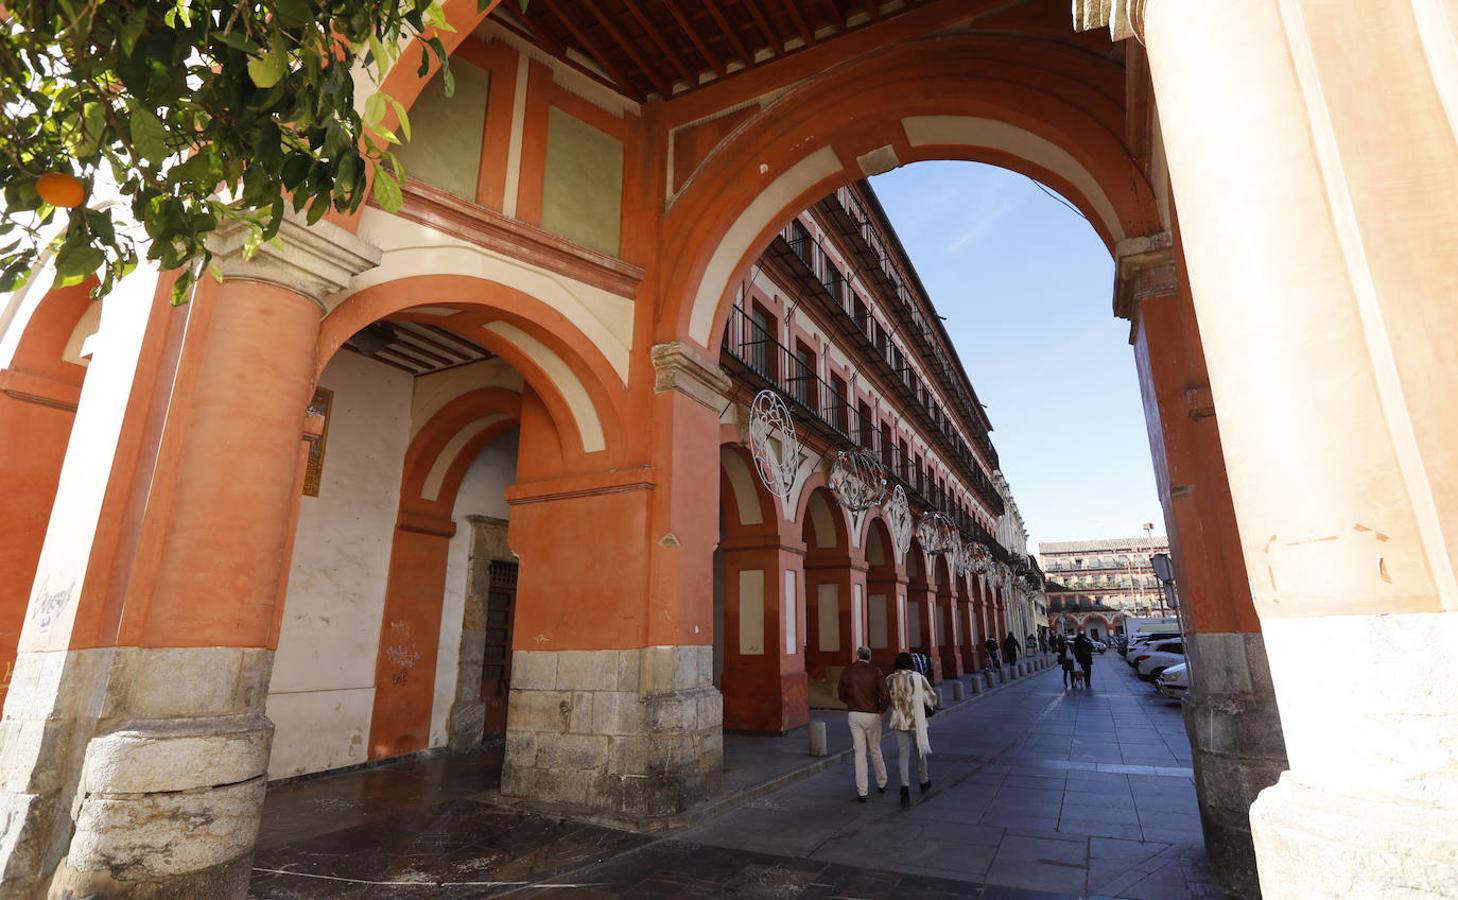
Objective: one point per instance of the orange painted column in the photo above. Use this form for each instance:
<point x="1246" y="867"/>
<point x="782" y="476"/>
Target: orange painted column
<point x="1231" y="714"/>
<point x="613" y="706"/>
<point x="182" y="737"/>
<point x="409" y="637"/>
<point x="948" y="631"/>
<point x="1319" y="219"/>
<point x="764" y="682"/>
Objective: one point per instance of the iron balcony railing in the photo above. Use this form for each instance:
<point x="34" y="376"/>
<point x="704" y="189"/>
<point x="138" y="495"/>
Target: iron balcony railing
<point x="752" y="352"/>
<point x="846" y="211"/>
<point x="807" y="260"/>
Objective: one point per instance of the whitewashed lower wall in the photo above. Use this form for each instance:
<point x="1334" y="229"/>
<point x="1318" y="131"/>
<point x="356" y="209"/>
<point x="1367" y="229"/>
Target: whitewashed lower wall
<point x="322" y="692"/>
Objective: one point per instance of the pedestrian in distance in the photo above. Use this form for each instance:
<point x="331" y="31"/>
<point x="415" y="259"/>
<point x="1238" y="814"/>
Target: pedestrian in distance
<point x="1083" y="650"/>
<point x="862" y="689"/>
<point x="1065" y="662"/>
<point x="1010" y="648"/>
<point x="911" y="697"/>
<point x="991" y="646"/>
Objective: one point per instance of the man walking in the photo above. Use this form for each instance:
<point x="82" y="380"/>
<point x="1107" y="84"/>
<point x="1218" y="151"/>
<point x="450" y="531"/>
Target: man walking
<point x="1083" y="652"/>
<point x="863" y="690"/>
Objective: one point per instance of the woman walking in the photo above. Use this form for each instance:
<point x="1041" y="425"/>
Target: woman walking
<point x="911" y="697"/>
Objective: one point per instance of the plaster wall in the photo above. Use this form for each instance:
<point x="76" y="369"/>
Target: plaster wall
<point x="482" y="493"/>
<point x="322" y="692"/>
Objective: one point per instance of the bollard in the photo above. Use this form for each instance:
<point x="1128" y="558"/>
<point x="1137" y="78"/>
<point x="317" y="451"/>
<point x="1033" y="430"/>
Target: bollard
<point x="959" y="691"/>
<point x="818" y="744"/>
<point x="978" y="682"/>
<point x="1002" y="675"/>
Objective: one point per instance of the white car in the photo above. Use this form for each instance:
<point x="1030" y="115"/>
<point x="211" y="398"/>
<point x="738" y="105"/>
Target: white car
<point x="1174" y="681"/>
<point x="1153" y="659"/>
<point x="1100" y="646"/>
<point x="1140" y="642"/>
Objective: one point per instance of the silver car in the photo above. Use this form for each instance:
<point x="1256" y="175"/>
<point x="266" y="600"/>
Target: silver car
<point x="1174" y="681"/>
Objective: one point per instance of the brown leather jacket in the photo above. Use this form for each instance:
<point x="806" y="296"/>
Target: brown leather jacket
<point x="862" y="688"/>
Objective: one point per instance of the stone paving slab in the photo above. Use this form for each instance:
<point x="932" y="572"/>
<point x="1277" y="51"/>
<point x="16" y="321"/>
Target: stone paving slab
<point x="1015" y="811"/>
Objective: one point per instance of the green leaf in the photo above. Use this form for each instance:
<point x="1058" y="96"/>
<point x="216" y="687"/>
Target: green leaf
<point x="436" y="16"/>
<point x="387" y="190"/>
<point x="77" y="261"/>
<point x="293" y="13"/>
<point x="447" y="80"/>
<point x="318" y="208"/>
<point x="268" y="69"/>
<point x="400" y="113"/>
<point x="93" y="129"/>
<point x="149" y="138"/>
<point x="237" y="42"/>
<point x="132" y="29"/>
<point x="375" y="110"/>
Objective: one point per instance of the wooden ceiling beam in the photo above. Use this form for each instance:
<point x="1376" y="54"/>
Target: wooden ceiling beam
<point x="590" y="47"/>
<point x="539" y="33"/>
<point x="710" y="58"/>
<point x="803" y="26"/>
<point x="776" y="43"/>
<point x="657" y="37"/>
<point x="837" y="18"/>
<point x="651" y="72"/>
<point x="730" y="33"/>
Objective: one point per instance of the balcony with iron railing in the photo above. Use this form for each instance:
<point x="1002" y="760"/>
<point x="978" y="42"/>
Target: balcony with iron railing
<point x="846" y="212"/>
<point x="803" y="258"/>
<point x="754" y="355"/>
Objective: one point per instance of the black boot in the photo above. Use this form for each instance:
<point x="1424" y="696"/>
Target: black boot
<point x="880" y="788"/>
<point x="926" y="786"/>
<point x="860" y="798"/>
<point x="905" y="797"/>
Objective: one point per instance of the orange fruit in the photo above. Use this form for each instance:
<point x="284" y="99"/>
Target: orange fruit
<point x="61" y="190"/>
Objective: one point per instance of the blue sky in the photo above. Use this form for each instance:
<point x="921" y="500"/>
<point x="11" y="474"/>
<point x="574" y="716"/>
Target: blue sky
<point x="1026" y="285"/>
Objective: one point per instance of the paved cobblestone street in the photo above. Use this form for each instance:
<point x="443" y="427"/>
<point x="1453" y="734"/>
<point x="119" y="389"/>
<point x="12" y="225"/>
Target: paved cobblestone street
<point x="1037" y="792"/>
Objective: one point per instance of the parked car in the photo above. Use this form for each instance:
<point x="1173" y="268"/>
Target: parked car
<point x="1139" y="642"/>
<point x="1174" y="681"/>
<point x="1100" y="646"/>
<point x="1153" y="659"/>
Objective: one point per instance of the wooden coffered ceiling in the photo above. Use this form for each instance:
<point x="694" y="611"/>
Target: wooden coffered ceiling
<point x="667" y="47"/>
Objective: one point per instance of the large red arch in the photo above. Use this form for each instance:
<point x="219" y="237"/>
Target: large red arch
<point x="800" y="147"/>
<point x="482" y="301"/>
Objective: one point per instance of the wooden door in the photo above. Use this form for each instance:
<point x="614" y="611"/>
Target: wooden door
<point x="496" y="661"/>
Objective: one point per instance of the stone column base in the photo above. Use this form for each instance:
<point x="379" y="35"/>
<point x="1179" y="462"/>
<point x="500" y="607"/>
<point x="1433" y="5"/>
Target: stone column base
<point x="1316" y="844"/>
<point x="633" y="734"/>
<point x="170" y="787"/>
<point x="1238" y="748"/>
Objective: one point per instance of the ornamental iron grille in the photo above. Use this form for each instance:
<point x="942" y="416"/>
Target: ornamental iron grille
<point x="773" y="442"/>
<point x="857" y="480"/>
<point x="936" y="533"/>
<point x="898" y="519"/>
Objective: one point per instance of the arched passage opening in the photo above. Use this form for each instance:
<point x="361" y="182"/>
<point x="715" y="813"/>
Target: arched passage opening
<point x="829" y="629"/>
<point x="885" y="588"/>
<point x="435" y="397"/>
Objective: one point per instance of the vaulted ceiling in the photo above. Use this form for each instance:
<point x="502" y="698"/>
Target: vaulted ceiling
<point x="663" y="47"/>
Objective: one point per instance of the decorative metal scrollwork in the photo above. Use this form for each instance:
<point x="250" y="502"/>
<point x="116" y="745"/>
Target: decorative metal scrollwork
<point x="857" y="480"/>
<point x="936" y="533"/>
<point x="980" y="556"/>
<point x="773" y="442"/>
<point x="898" y="519"/>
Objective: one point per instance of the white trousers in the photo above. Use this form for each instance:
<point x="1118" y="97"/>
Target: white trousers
<point x="865" y="729"/>
<point x="905" y="746"/>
